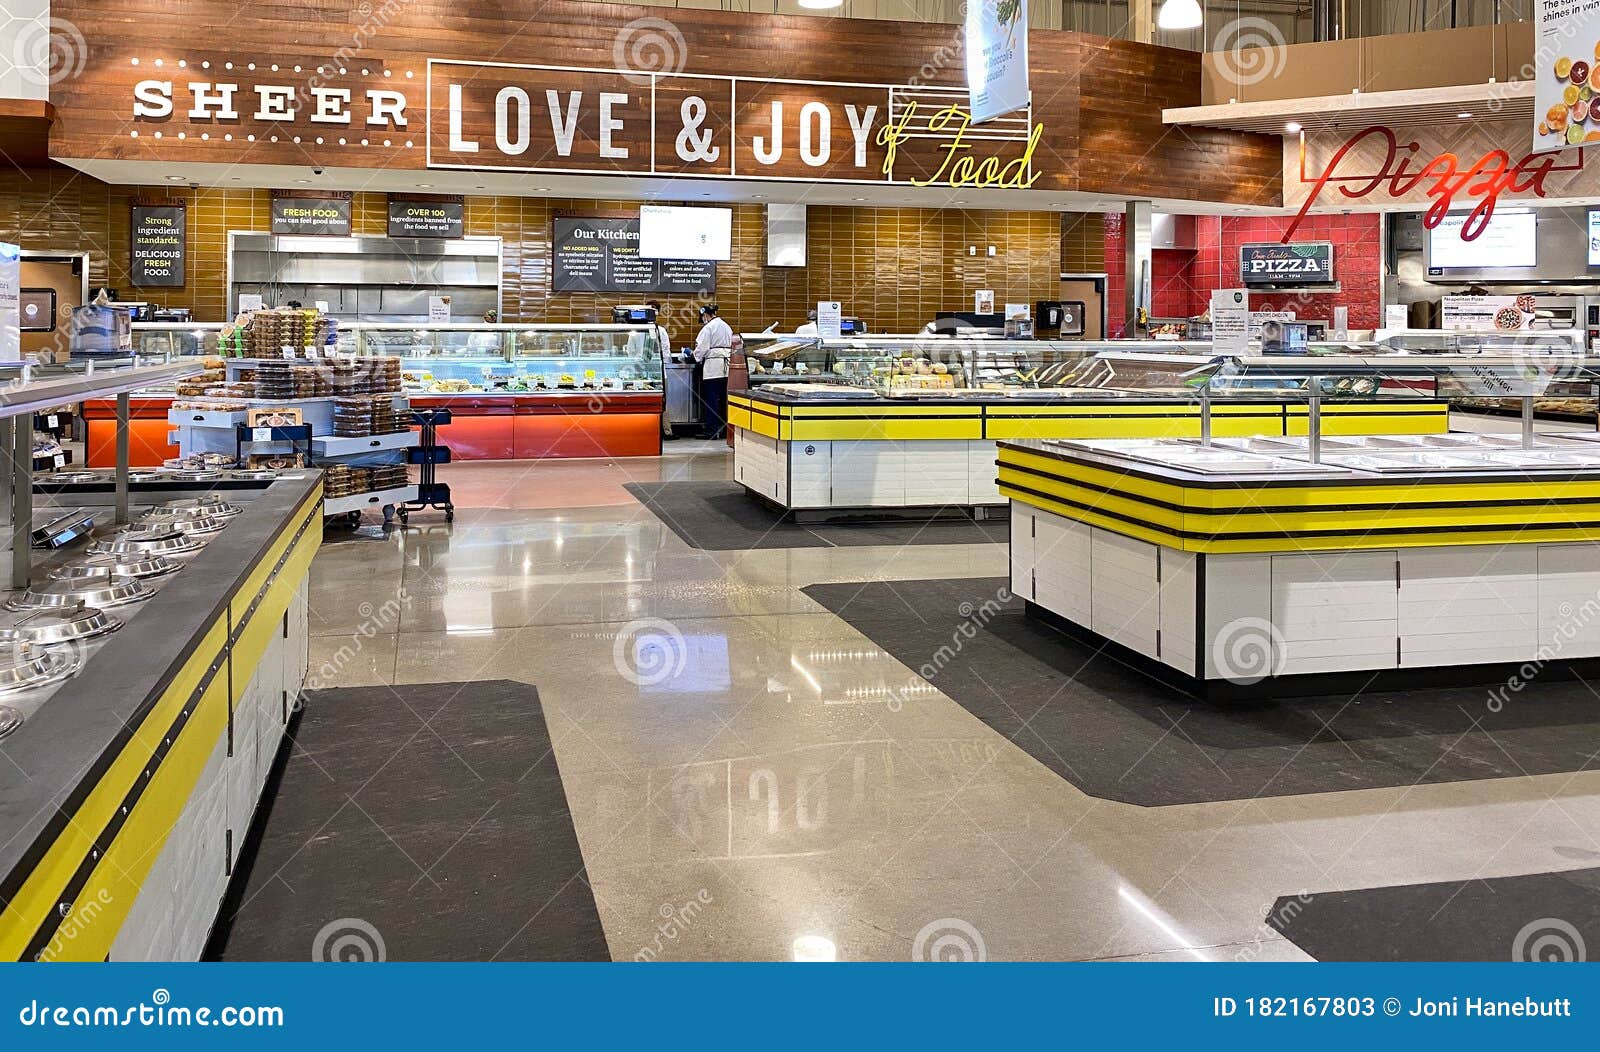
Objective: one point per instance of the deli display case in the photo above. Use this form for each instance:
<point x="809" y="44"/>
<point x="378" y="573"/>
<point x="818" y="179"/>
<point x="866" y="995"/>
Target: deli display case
<point x="514" y="391"/>
<point x="522" y="392"/>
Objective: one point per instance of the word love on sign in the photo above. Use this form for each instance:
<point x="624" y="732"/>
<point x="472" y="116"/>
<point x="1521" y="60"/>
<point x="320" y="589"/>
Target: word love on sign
<point x="550" y="119"/>
<point x="1373" y="164"/>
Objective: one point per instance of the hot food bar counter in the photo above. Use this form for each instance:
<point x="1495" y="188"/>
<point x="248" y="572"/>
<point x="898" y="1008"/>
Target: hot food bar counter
<point x="1270" y="565"/>
<point x="885" y="423"/>
<point x="513" y="391"/>
<point x="153" y="643"/>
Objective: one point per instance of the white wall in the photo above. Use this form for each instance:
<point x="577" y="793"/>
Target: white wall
<point x="25" y="47"/>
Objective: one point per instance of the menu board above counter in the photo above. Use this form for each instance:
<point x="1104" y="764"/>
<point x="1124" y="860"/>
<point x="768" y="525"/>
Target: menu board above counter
<point x="426" y="217"/>
<point x="159" y="240"/>
<point x="302" y="213"/>
<point x="601" y="254"/>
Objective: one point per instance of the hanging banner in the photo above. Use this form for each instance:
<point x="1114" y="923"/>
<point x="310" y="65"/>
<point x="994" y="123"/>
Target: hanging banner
<point x="1566" y="74"/>
<point x="10" y="298"/>
<point x="997" y="58"/>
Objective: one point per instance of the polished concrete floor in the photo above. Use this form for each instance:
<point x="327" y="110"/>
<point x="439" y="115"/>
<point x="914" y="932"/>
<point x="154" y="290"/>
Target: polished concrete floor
<point x="750" y="778"/>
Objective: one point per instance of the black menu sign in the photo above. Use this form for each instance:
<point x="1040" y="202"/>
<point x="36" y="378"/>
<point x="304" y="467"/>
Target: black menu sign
<point x="159" y="235"/>
<point x="310" y="215"/>
<point x="601" y="254"/>
<point x="426" y="218"/>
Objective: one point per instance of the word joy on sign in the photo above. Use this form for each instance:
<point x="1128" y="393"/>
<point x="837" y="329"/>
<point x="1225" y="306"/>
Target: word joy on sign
<point x="548" y="119"/>
<point x="1443" y="178"/>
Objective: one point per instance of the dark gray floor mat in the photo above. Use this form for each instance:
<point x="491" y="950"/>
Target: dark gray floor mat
<point x="432" y="814"/>
<point x="1117" y="734"/>
<point x="722" y="516"/>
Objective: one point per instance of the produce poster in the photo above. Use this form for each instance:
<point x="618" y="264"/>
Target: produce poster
<point x="1566" y="58"/>
<point x="997" y="57"/>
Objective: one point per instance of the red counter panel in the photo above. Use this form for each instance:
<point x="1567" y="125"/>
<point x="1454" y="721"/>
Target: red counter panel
<point x="530" y="427"/>
<point x="147" y="433"/>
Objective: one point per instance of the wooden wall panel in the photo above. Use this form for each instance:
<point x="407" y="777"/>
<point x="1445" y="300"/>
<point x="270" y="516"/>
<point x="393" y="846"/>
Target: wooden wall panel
<point x="891" y="266"/>
<point x="1099" y="100"/>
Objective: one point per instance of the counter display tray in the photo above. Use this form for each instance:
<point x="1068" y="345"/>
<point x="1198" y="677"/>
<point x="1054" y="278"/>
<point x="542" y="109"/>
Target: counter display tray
<point x="1183" y="455"/>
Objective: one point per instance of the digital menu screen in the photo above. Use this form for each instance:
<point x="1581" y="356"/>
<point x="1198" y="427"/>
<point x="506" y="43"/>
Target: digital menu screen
<point x="1509" y="240"/>
<point x="1594" y="237"/>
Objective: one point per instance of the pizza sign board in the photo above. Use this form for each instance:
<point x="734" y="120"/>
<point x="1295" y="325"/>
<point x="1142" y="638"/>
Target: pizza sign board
<point x="1296" y="263"/>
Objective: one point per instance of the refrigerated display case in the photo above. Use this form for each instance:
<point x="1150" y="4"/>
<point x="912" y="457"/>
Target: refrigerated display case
<point x="519" y="392"/>
<point x="514" y="391"/>
<point x="1458" y="548"/>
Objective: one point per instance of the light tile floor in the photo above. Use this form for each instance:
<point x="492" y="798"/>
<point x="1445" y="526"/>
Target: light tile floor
<point x="794" y="781"/>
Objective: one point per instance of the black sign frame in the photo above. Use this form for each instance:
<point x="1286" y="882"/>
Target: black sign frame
<point x="427" y="217"/>
<point x="1292" y="263"/>
<point x="600" y="253"/>
<point x="311" y="215"/>
<point x="158" y="244"/>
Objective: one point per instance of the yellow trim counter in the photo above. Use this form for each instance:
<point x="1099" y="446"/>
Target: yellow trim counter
<point x="823" y="453"/>
<point x="127" y="845"/>
<point x="1264" y="582"/>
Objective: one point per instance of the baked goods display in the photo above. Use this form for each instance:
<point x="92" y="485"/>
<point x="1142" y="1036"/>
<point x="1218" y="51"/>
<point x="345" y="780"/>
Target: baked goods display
<point x="269" y="332"/>
<point x="345" y="480"/>
<point x="365" y="415"/>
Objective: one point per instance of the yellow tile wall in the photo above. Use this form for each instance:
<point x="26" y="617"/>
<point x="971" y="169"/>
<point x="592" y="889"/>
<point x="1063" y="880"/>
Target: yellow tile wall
<point x="893" y="267"/>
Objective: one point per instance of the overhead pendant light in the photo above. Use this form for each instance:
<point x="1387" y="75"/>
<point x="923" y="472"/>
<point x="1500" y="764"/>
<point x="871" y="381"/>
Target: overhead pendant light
<point x="821" y="5"/>
<point x="1178" y="14"/>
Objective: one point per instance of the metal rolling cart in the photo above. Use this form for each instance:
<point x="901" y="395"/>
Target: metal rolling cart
<point x="428" y="454"/>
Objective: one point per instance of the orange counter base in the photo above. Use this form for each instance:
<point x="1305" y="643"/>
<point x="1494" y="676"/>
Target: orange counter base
<point x="533" y="427"/>
<point x="147" y="433"/>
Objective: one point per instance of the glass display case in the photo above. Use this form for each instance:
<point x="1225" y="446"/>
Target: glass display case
<point x="892" y="364"/>
<point x="514" y="359"/>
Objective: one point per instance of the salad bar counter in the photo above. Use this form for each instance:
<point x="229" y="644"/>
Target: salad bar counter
<point x="1255" y="566"/>
<point x="828" y="450"/>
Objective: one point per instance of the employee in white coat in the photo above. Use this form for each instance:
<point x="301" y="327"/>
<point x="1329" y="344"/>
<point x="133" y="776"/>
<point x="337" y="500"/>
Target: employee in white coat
<point x="810" y="327"/>
<point x="713" y="349"/>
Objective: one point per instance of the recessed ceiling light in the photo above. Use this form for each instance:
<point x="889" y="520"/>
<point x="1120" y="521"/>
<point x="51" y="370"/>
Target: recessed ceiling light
<point x="302" y="180"/>
<point x="424" y="186"/>
<point x="174" y="178"/>
<point x="1463" y="115"/>
<point x="1292" y="127"/>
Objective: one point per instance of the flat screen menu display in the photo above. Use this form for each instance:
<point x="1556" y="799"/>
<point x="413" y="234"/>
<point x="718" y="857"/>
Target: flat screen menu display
<point x="1509" y="240"/>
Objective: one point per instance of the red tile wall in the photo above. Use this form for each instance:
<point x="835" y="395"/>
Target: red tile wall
<point x="1181" y="280"/>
